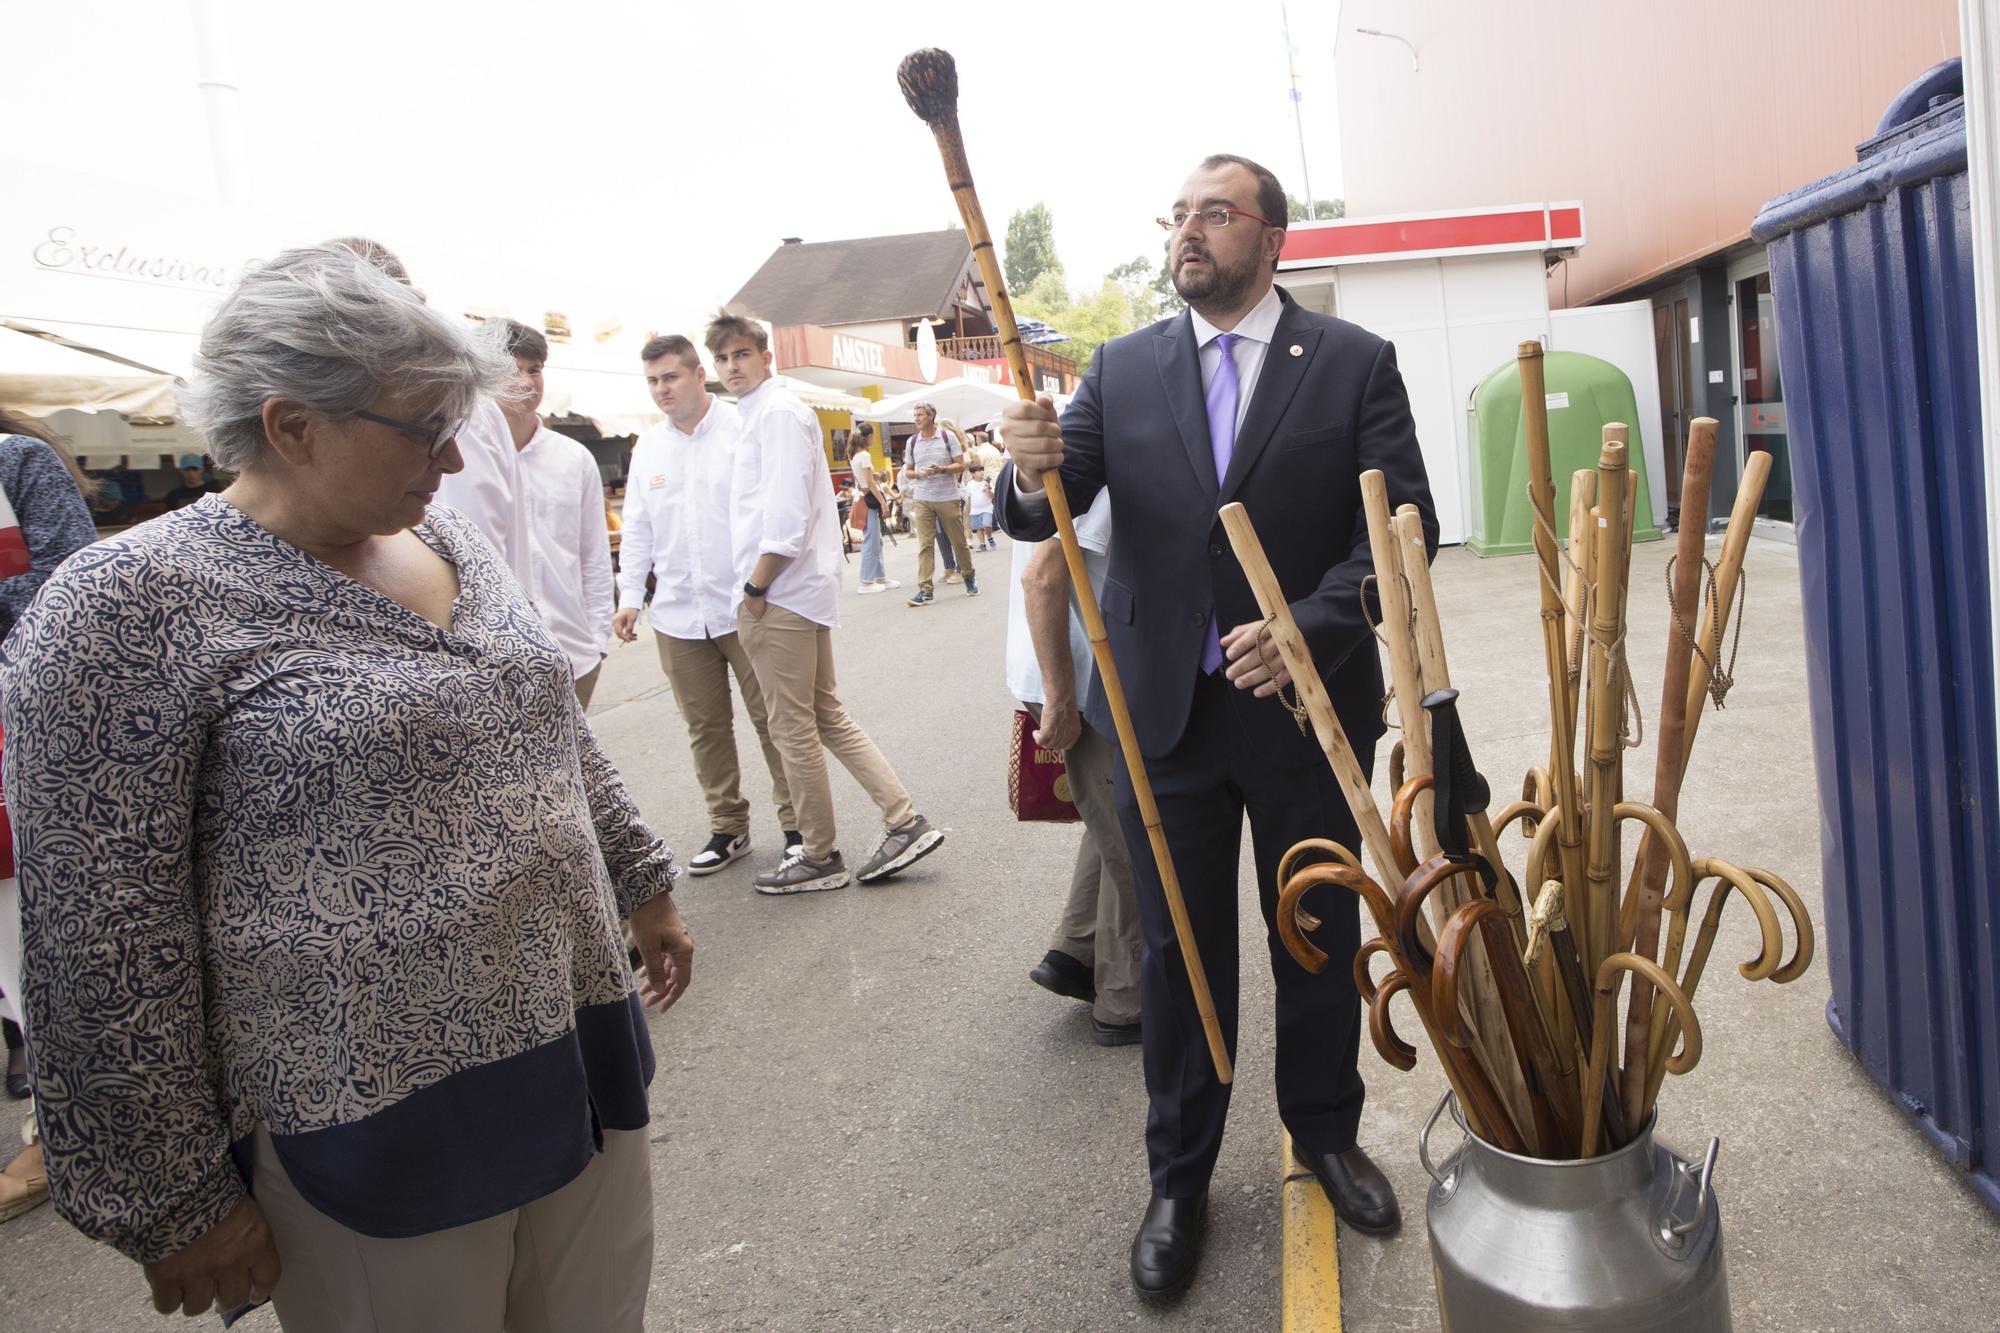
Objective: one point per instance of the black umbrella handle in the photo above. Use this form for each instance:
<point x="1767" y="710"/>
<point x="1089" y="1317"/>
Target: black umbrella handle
<point x="1458" y="790"/>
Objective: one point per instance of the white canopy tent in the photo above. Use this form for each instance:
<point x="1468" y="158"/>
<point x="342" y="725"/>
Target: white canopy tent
<point x="970" y="403"/>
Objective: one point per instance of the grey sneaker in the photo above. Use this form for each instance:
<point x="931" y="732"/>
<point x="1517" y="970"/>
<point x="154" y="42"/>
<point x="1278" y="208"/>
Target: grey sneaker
<point x="802" y="874"/>
<point x="903" y="847"/>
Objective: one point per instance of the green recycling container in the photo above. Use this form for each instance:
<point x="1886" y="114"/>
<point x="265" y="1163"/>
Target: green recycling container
<point x="1584" y="392"/>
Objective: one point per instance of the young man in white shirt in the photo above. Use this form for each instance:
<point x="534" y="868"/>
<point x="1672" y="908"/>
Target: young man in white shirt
<point x="569" y="542"/>
<point x="782" y="520"/>
<point x="487" y="490"/>
<point x="676" y="528"/>
<point x="937" y="462"/>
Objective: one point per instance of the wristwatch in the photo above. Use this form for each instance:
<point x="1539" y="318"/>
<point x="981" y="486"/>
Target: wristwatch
<point x="752" y="590"/>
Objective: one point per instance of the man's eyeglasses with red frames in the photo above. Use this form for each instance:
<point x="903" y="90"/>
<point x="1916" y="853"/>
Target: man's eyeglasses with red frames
<point x="1210" y="217"/>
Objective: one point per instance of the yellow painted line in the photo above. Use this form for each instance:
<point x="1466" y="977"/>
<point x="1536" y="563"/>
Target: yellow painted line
<point x="1312" y="1250"/>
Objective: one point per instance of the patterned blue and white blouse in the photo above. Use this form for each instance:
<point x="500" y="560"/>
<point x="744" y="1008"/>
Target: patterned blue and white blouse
<point x="291" y="855"/>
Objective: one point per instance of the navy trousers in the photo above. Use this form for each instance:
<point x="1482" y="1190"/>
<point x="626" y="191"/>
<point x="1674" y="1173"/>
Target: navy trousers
<point x="1204" y="787"/>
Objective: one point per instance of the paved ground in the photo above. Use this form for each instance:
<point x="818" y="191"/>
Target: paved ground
<point x="867" y="1119"/>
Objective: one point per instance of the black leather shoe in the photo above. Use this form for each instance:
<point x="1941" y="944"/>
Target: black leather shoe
<point x="1360" y="1194"/>
<point x="1113" y="1034"/>
<point x="1167" y="1249"/>
<point x="1065" y="976"/>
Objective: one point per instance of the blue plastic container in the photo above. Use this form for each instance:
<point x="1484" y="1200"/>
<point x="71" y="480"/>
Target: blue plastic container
<point x="1871" y="271"/>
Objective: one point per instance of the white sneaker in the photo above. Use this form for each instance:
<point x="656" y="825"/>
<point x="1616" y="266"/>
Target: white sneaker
<point x="867" y="588"/>
<point x="891" y="583"/>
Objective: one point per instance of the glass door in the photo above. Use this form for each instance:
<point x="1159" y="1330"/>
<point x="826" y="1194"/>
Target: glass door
<point x="1760" y="390"/>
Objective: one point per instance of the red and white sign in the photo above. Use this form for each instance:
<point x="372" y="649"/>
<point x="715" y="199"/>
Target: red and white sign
<point x="1476" y="231"/>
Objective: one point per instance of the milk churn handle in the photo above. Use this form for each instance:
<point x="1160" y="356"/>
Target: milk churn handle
<point x="1424" y="1140"/>
<point x="1701" y="1199"/>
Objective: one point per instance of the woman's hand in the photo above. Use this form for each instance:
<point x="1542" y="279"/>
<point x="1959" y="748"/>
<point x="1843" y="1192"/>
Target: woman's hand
<point x="666" y="947"/>
<point x="233" y="1262"/>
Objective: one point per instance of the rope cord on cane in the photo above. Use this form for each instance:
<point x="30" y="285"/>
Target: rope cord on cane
<point x="1292" y="705"/>
<point x="1573" y="669"/>
<point x="1720" y="678"/>
<point x="1631" y="718"/>
<point x="1374" y="628"/>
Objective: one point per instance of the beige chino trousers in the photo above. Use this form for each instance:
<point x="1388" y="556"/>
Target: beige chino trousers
<point x="932" y="515"/>
<point x="579" y="1258"/>
<point x="698" y="671"/>
<point x="794" y="661"/>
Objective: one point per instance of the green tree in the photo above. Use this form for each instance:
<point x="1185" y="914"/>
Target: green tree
<point x="1137" y="279"/>
<point x="1326" y="209"/>
<point x="1091" y="319"/>
<point x="1031" y="247"/>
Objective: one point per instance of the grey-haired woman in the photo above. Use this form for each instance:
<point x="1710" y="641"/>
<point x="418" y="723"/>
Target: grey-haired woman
<point x="322" y="870"/>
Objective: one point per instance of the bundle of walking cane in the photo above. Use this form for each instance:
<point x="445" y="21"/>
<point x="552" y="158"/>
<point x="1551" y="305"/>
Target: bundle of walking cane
<point x="1520" y="991"/>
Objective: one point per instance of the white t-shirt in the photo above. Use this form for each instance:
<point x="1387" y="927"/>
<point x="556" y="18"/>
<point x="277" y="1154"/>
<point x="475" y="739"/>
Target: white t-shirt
<point x="1024" y="673"/>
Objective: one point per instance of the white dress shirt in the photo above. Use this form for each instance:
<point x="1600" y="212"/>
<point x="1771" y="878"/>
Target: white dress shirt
<point x="569" y="545"/>
<point x="676" y="521"/>
<point x="488" y="489"/>
<point x="781" y="503"/>
<point x="1024" y="669"/>
<point x="1253" y="340"/>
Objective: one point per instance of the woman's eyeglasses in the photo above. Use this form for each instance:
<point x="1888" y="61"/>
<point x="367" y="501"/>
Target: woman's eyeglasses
<point x="435" y="438"/>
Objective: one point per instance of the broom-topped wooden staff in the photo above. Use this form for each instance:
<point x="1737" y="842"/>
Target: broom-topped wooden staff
<point x="929" y="80"/>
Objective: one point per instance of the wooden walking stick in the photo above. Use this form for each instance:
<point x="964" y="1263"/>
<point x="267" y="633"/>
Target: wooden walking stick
<point x="1310" y="688"/>
<point x="1562" y="703"/>
<point x="1604" y="742"/>
<point x="1649" y="871"/>
<point x="929" y="80"/>
<point x="1492" y="1026"/>
<point x="1405" y="677"/>
<point x="1728" y="573"/>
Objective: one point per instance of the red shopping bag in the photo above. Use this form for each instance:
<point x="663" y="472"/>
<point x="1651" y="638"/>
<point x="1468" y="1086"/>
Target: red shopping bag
<point x="1037" y="781"/>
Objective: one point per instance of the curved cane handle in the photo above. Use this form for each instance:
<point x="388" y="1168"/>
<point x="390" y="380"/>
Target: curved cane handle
<point x="1393" y="1049"/>
<point x="1364" y="980"/>
<point x="1802" y="926"/>
<point x="1304" y="951"/>
<point x="1401" y="816"/>
<point x="1451" y="957"/>
<point x="1681" y="885"/>
<point x="1606" y="1008"/>
<point x="1410" y="900"/>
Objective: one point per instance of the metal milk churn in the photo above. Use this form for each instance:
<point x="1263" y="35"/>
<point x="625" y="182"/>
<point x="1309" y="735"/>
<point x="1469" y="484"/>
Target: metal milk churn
<point x="1630" y="1242"/>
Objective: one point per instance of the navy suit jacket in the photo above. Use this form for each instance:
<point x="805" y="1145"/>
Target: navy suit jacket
<point x="1328" y="405"/>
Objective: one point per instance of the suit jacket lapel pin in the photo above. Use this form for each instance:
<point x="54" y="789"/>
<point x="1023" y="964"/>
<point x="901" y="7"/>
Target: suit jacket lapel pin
<point x="1298" y="350"/>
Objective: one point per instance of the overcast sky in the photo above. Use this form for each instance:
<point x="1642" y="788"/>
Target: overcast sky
<point x="662" y="148"/>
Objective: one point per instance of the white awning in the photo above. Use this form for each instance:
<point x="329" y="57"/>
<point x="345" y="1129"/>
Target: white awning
<point x="40" y="376"/>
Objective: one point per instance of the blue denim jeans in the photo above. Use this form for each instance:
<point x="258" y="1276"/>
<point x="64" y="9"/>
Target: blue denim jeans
<point x="871" y="550"/>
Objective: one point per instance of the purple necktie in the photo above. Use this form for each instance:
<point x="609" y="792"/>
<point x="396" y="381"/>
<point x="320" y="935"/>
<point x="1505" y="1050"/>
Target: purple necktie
<point x="1222" y="395"/>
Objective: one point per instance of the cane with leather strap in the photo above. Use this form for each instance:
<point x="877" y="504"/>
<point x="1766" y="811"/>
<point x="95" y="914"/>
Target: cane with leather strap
<point x="929" y="80"/>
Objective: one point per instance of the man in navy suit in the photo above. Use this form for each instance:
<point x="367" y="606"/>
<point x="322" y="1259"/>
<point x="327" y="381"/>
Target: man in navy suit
<point x="1245" y="397"/>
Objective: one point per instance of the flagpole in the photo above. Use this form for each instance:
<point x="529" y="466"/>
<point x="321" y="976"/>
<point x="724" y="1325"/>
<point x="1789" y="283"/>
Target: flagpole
<point x="1298" y="117"/>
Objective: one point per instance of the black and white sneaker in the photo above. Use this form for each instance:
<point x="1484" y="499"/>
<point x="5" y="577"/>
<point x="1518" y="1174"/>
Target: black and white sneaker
<point x="721" y="850"/>
<point x="795" y="842"/>
<point x="802" y="874"/>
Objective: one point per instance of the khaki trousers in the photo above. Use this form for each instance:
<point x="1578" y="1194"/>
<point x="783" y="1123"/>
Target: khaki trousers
<point x="933" y="516"/>
<point x="698" y="670"/>
<point x="1100" y="920"/>
<point x="586" y="685"/>
<point x="580" y="1258"/>
<point x="794" y="661"/>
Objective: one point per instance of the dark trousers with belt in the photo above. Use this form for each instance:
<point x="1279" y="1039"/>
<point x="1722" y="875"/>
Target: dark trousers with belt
<point x="1220" y="771"/>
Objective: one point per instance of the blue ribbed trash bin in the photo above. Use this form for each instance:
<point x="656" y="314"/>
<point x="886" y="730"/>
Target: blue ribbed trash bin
<point x="1871" y="271"/>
